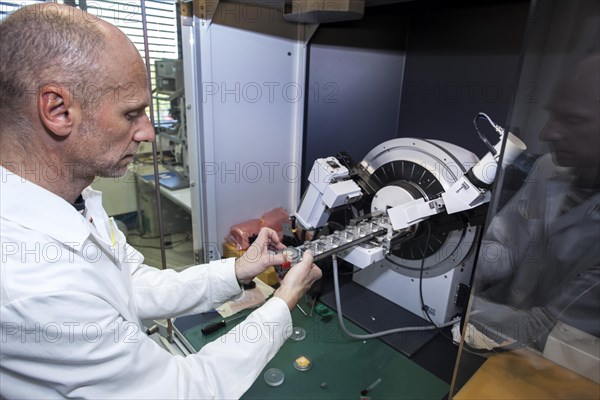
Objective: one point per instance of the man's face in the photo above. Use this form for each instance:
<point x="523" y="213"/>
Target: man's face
<point x="110" y="135"/>
<point x="573" y="128"/>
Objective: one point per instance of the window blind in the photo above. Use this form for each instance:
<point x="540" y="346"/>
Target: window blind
<point x="161" y="22"/>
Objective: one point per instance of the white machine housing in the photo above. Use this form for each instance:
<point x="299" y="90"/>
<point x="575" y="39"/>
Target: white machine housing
<point x="416" y="179"/>
<point x="329" y="187"/>
<point x="396" y="278"/>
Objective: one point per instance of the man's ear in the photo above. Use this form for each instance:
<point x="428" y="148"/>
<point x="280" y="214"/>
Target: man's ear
<point x="57" y="109"/>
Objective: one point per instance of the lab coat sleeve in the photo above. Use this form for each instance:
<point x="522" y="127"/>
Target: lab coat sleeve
<point x="511" y="241"/>
<point x="168" y="293"/>
<point x="577" y="301"/>
<point x="501" y="322"/>
<point x="574" y="303"/>
<point x="92" y="352"/>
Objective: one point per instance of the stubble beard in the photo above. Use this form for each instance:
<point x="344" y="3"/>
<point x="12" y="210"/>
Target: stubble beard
<point x="97" y="167"/>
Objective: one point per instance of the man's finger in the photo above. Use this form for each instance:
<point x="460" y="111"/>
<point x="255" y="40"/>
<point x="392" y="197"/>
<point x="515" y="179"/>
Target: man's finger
<point x="316" y="272"/>
<point x="277" y="259"/>
<point x="307" y="257"/>
<point x="273" y="236"/>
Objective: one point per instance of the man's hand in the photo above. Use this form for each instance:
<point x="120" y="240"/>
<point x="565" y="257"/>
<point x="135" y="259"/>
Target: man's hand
<point x="298" y="280"/>
<point x="258" y="258"/>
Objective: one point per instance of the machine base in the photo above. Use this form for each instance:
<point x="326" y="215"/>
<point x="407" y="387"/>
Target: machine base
<point x="439" y="292"/>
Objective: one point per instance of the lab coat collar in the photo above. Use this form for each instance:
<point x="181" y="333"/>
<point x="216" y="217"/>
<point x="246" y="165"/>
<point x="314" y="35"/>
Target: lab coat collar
<point x="38" y="209"/>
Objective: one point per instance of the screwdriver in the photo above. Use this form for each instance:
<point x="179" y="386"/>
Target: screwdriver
<point x="366" y="391"/>
<point x="211" y="328"/>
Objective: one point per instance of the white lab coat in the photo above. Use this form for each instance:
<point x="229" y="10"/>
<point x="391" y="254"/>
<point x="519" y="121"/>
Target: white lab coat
<point x="73" y="294"/>
<point x="539" y="265"/>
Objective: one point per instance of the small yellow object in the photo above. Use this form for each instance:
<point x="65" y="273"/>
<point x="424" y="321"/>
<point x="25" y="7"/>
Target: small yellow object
<point x="302" y="363"/>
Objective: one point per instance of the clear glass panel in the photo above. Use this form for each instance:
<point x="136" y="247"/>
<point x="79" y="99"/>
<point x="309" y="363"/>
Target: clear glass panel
<point x="155" y="221"/>
<point x="533" y="326"/>
<point x="166" y="212"/>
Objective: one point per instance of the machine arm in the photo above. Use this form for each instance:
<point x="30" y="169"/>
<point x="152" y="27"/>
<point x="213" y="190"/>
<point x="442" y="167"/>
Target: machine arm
<point x="399" y="185"/>
<point x="332" y="184"/>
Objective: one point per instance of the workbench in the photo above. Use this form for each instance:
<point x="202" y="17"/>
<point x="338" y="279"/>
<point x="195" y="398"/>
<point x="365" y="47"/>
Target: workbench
<point x="341" y="367"/>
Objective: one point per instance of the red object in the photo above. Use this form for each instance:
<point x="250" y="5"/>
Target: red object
<point x="239" y="234"/>
<point x="274" y="218"/>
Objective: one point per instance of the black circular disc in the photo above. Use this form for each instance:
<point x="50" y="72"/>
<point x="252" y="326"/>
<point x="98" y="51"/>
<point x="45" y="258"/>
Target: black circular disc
<point x="419" y="182"/>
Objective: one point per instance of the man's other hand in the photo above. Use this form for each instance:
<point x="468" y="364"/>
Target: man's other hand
<point x="298" y="280"/>
<point x="258" y="257"/>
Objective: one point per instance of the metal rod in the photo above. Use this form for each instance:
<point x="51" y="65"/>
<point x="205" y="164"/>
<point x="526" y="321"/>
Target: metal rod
<point x="163" y="256"/>
<point x="348" y="245"/>
<point x="301" y="310"/>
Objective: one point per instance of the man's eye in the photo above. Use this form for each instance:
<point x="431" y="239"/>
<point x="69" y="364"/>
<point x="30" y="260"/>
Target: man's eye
<point x="131" y="115"/>
<point x="571" y="119"/>
<point x="575" y="120"/>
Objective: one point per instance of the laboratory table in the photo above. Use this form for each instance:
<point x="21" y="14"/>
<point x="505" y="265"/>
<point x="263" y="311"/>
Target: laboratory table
<point x="341" y="367"/>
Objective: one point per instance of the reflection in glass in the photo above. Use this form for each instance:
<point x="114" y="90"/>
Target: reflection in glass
<point x="537" y="280"/>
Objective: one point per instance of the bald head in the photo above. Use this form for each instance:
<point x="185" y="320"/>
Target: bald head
<point x="581" y="81"/>
<point x="54" y="44"/>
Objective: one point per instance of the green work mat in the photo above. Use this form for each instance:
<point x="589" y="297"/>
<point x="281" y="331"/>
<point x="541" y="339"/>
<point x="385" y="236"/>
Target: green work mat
<point x="341" y="367"/>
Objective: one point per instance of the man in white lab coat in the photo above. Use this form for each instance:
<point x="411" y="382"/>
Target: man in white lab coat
<point x="540" y="257"/>
<point x="73" y="292"/>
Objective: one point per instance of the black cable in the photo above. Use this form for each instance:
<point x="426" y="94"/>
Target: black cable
<point x="425" y="307"/>
<point x="316" y="233"/>
<point x="338" y="305"/>
<point x="347" y="273"/>
<point x="172" y="246"/>
<point x="481" y="136"/>
<point x="155" y="237"/>
<point x="336" y="225"/>
<point x="294" y="237"/>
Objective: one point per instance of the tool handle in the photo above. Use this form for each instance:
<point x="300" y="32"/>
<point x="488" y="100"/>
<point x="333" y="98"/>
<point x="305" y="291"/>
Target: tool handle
<point x="211" y="328"/>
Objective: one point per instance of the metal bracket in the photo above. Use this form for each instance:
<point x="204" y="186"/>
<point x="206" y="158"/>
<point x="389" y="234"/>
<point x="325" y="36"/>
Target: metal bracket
<point x="205" y="11"/>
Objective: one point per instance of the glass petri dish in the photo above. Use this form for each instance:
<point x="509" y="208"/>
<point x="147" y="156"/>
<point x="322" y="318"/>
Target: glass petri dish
<point x="274" y="377"/>
<point x="302" y="363"/>
<point x="298" y="334"/>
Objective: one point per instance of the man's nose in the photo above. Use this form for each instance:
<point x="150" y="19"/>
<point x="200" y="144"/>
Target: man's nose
<point x="145" y="131"/>
<point x="551" y="131"/>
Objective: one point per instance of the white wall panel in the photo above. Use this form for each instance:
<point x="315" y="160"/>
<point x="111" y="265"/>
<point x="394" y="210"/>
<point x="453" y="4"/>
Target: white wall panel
<point x="250" y="89"/>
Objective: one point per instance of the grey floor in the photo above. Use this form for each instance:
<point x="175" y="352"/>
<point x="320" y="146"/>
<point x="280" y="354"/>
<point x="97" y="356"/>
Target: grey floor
<point x="179" y="250"/>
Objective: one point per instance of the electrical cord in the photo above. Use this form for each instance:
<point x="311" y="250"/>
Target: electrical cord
<point x="338" y="304"/>
<point x="498" y="129"/>
<point x="170" y="246"/>
<point x="519" y="343"/>
<point x="294" y="238"/>
<point x="425" y="307"/>
<point x="154" y="237"/>
<point x="316" y="234"/>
